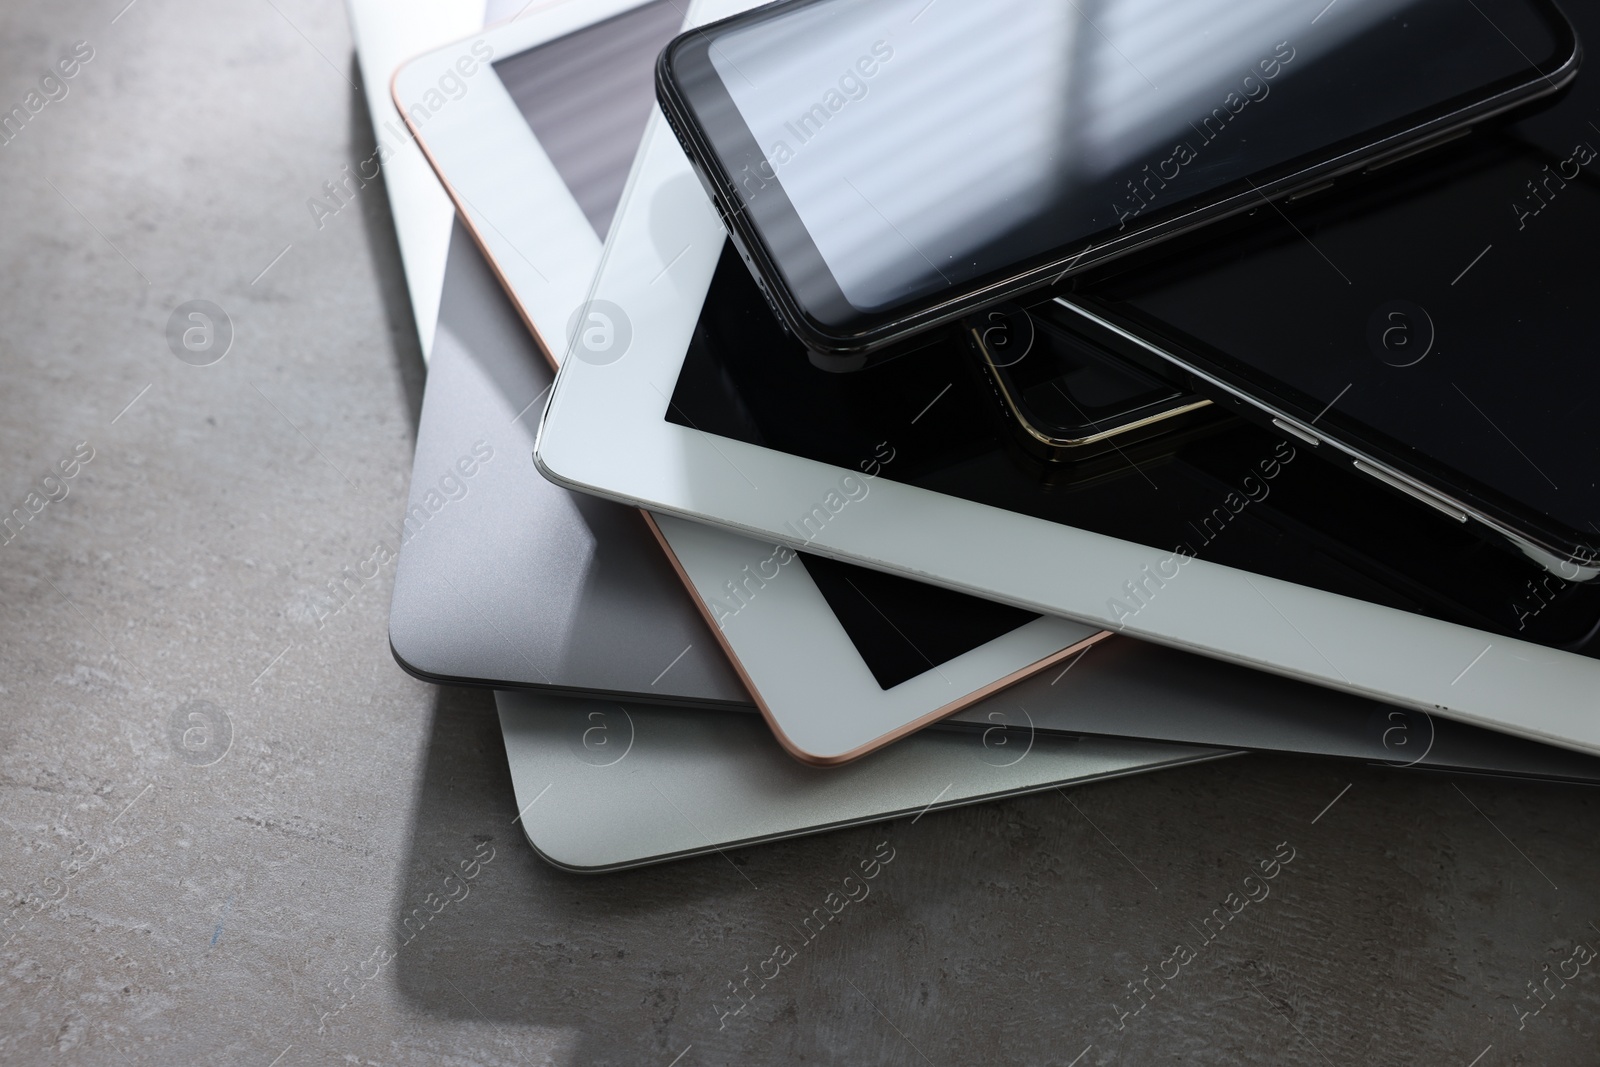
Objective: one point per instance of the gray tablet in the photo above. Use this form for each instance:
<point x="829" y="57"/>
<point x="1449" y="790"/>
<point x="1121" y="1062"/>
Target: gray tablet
<point x="601" y="786"/>
<point x="505" y="579"/>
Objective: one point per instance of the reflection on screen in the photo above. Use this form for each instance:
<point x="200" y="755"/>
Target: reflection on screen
<point x="921" y="143"/>
<point x="587" y="97"/>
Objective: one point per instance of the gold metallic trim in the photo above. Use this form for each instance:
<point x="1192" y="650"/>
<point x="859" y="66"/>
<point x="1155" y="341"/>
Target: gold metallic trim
<point x="1071" y="442"/>
<point x="959" y="704"/>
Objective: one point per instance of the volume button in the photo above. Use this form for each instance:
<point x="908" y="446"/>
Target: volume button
<point x="1294" y="431"/>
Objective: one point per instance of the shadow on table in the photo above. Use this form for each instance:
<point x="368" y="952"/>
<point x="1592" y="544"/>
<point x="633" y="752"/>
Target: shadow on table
<point x="1013" y="925"/>
<point x="530" y="944"/>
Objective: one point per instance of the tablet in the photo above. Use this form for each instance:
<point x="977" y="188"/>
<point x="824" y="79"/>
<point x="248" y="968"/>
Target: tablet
<point x="604" y="786"/>
<point x="839" y="660"/>
<point x="616" y="425"/>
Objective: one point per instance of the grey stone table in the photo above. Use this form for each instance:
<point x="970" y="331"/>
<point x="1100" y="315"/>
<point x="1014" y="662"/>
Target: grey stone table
<point x="164" y="908"/>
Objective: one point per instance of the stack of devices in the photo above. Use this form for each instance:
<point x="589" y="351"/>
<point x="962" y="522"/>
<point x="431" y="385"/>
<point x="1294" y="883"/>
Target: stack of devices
<point x="844" y="408"/>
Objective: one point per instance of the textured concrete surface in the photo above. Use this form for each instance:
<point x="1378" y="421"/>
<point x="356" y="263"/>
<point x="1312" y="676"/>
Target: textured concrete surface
<point x="222" y="805"/>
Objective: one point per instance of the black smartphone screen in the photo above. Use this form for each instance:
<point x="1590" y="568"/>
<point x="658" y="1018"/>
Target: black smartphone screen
<point x="888" y="152"/>
<point x="1441" y="321"/>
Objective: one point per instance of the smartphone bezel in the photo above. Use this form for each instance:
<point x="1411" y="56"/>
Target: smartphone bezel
<point x="689" y="90"/>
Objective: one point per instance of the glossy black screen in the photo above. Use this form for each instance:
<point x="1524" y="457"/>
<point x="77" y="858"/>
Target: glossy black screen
<point x="923" y="146"/>
<point x="1442" y="314"/>
<point x="1235" y="495"/>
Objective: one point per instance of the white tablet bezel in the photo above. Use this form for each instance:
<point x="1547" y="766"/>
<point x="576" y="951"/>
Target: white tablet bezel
<point x="605" y="433"/>
<point x="804" y="674"/>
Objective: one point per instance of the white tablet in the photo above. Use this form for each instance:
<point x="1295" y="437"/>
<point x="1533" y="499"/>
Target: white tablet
<point x="839" y="660"/>
<point x="660" y="405"/>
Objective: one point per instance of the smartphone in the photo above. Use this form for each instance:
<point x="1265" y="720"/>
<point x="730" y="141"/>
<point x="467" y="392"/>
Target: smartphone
<point x="1434" y="335"/>
<point x="885" y="166"/>
<point x="1068" y="397"/>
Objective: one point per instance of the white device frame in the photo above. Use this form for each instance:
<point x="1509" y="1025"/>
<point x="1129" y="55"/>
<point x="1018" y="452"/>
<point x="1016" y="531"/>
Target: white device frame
<point x="799" y="664"/>
<point x="605" y="433"/>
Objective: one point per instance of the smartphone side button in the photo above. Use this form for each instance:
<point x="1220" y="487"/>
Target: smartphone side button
<point x="1313" y="191"/>
<point x="1410" y="490"/>
<point x="1294" y="431"/>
